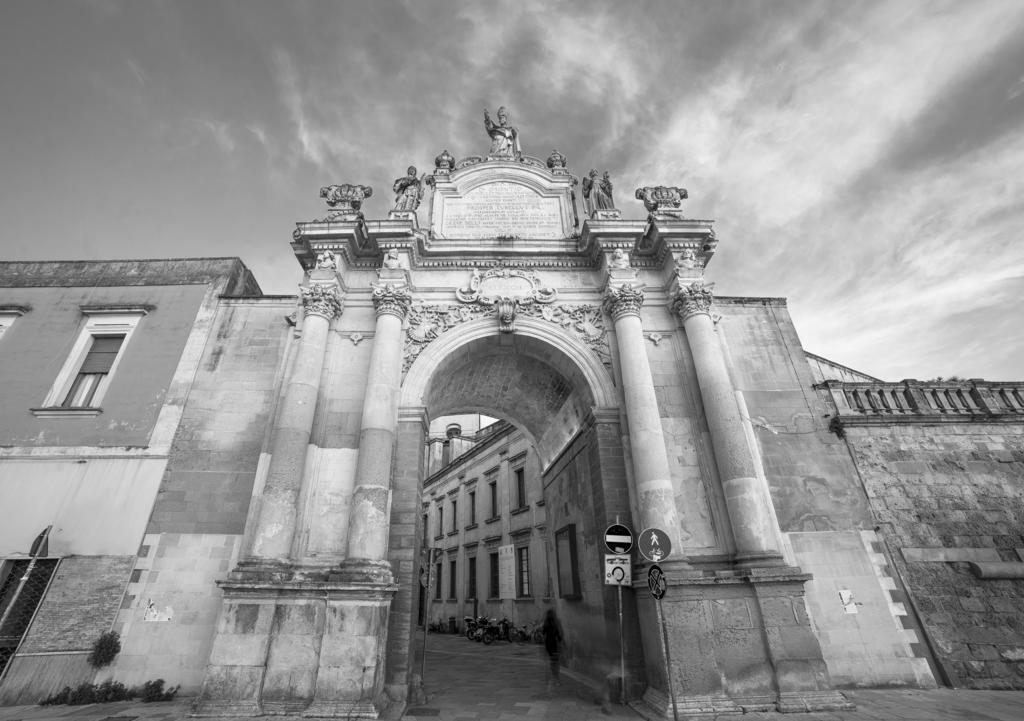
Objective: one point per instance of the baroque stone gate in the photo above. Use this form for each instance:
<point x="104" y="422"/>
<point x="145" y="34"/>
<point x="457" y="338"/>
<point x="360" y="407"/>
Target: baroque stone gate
<point x="601" y="340"/>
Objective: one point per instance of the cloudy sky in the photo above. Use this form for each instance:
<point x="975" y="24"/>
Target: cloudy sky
<point x="863" y="159"/>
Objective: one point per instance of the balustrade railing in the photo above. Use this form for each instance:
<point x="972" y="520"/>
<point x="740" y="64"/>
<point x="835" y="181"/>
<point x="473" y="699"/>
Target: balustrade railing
<point x="911" y="398"/>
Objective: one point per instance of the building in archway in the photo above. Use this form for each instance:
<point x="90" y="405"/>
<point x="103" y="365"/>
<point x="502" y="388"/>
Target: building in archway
<point x="235" y="481"/>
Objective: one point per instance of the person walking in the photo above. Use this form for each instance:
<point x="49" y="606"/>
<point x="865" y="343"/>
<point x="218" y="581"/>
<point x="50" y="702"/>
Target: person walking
<point x="552" y="644"/>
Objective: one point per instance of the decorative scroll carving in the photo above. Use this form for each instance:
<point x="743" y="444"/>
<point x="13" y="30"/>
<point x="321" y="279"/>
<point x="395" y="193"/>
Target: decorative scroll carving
<point x="624" y="300"/>
<point x="506" y="308"/>
<point x="585" y="321"/>
<point x="321" y="299"/>
<point x="693" y="299"/>
<point x="503" y="281"/>
<point x="428" y="322"/>
<point x="663" y="200"/>
<point x="388" y="298"/>
<point x="345" y="200"/>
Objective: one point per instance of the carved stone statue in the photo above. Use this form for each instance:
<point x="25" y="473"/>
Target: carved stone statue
<point x="687" y="260"/>
<point x="326" y="261"/>
<point x="504" y="138"/>
<point x="391" y="259"/>
<point x="619" y="259"/>
<point x="598" y="192"/>
<point x="408" y="190"/>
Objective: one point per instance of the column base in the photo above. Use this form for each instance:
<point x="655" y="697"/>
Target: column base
<point x="807" y="701"/>
<point x="213" y="708"/>
<point x="768" y="559"/>
<point x="363" y="570"/>
<point x="660" y="705"/>
<point x="341" y="710"/>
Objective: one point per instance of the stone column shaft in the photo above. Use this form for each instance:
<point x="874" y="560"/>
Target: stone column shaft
<point x="753" y="525"/>
<point x="653" y="480"/>
<point x="366" y="553"/>
<point x="275" y="527"/>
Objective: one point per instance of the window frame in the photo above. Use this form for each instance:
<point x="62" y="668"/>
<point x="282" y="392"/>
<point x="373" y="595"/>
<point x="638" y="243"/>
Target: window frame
<point x="494" y="577"/>
<point x="99" y="322"/>
<point x="520" y="478"/>
<point x="471" y="581"/>
<point x="523" y="586"/>
<point x="567" y="566"/>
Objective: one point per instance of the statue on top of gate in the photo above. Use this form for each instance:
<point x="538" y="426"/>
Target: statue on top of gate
<point x="504" y="137"/>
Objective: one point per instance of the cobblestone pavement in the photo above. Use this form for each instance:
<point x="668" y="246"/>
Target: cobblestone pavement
<point x="468" y="681"/>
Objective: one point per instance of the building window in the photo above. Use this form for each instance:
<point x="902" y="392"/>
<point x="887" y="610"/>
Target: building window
<point x="9" y="314"/>
<point x="440" y="521"/>
<point x="455" y="515"/>
<point x="492" y="586"/>
<point x="437" y="586"/>
<point x="568" y="565"/>
<point x="453" y="593"/>
<point x="472" y="508"/>
<point x="521" y="488"/>
<point x="494" y="499"/>
<point x="426" y="529"/>
<point x="523" y="571"/>
<point x="93" y="360"/>
<point x="471" y="577"/>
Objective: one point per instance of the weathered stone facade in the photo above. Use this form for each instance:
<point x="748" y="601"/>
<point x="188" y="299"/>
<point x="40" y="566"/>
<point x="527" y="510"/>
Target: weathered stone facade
<point x="255" y="472"/>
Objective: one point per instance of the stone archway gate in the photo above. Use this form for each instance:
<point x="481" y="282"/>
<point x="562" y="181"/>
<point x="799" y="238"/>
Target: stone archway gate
<point x="317" y="614"/>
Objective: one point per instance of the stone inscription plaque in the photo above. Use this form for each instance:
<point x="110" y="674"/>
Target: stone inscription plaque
<point x="501" y="209"/>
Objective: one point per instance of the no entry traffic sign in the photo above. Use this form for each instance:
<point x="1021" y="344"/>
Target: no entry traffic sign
<point x="618" y="538"/>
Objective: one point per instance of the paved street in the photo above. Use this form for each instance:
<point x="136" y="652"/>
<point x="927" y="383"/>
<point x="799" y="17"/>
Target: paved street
<point x="468" y="681"/>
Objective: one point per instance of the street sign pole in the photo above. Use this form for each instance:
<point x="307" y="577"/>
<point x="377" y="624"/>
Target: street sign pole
<point x="656" y="582"/>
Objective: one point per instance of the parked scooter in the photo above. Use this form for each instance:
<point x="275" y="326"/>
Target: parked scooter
<point x="497" y="631"/>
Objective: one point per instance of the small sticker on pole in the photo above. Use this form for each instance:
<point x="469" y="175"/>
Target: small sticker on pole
<point x="656" y="581"/>
<point x="618" y="538"/>
<point x="617" y="570"/>
<point x="654" y="545"/>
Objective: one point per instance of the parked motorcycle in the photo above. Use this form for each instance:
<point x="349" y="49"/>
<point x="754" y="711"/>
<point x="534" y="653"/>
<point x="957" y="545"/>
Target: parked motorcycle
<point x="497" y="631"/>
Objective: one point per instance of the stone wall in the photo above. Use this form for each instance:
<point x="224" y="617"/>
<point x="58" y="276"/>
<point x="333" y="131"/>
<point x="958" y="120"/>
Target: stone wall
<point x="946" y="494"/>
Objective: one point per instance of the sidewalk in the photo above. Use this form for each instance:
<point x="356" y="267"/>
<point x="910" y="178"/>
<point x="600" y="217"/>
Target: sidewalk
<point x="468" y="681"/>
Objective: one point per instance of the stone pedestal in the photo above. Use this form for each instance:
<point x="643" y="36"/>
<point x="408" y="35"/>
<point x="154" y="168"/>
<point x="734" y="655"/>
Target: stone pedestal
<point x="736" y="645"/>
<point x="304" y="648"/>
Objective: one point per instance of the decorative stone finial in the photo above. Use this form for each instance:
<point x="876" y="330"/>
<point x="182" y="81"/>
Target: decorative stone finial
<point x="444" y="162"/>
<point x="623" y="300"/>
<point x="391" y="299"/>
<point x="504" y="137"/>
<point x="345" y="200"/>
<point x="693" y="299"/>
<point x="556" y="160"/>
<point x="321" y="299"/>
<point x="663" y="200"/>
<point x="408" y="190"/>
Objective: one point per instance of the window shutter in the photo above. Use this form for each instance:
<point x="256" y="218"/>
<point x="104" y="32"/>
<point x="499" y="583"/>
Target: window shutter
<point x="102" y="354"/>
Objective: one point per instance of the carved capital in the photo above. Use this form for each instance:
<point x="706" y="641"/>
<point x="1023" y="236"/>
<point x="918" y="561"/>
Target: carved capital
<point x="624" y="300"/>
<point x="693" y="299"/>
<point x="321" y="299"/>
<point x="663" y="200"/>
<point x="395" y="300"/>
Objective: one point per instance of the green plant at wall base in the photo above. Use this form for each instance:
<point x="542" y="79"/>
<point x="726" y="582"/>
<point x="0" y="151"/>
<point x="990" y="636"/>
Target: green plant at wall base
<point x="106" y="647"/>
<point x="108" y="691"/>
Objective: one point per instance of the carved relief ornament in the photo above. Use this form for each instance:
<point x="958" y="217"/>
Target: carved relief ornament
<point x="693" y="299"/>
<point x="623" y="300"/>
<point x="321" y="299"/>
<point x="502" y="281"/>
<point x="391" y="299"/>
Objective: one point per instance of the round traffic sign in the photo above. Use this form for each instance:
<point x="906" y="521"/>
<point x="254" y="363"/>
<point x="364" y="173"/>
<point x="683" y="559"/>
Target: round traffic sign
<point x="618" y="538"/>
<point x="656" y="581"/>
<point x="654" y="545"/>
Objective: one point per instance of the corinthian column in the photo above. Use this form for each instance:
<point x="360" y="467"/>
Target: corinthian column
<point x="746" y="497"/>
<point x="271" y="539"/>
<point x="655" y="493"/>
<point x="366" y="555"/>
